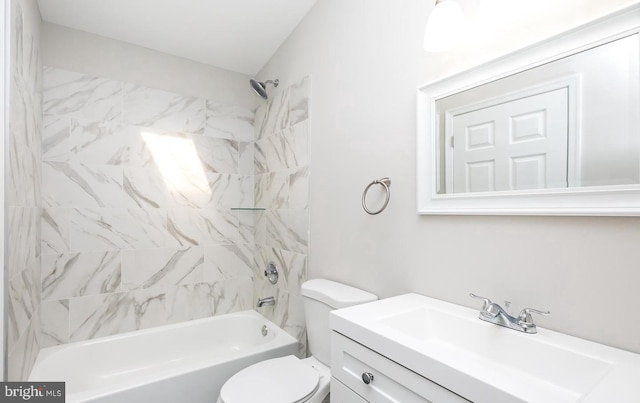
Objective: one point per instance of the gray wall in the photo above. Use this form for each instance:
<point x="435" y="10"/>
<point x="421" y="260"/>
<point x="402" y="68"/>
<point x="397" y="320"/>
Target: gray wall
<point x="366" y="59"/>
<point x="80" y="51"/>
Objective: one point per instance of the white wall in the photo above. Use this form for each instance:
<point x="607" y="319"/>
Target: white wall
<point x="366" y="59"/>
<point x="87" y="53"/>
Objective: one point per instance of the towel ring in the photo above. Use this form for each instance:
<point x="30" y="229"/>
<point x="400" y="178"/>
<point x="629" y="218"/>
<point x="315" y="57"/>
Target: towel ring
<point x="385" y="182"/>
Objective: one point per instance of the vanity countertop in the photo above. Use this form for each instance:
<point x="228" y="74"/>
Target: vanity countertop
<point x="483" y="362"/>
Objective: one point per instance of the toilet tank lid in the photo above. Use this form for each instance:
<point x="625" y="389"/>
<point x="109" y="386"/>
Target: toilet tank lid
<point x="336" y="295"/>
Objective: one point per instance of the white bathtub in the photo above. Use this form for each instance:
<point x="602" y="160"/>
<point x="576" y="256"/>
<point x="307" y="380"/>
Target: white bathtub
<point x="185" y="362"/>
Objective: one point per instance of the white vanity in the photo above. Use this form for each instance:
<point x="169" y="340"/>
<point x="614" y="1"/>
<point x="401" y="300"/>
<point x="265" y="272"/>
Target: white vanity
<point x="413" y="348"/>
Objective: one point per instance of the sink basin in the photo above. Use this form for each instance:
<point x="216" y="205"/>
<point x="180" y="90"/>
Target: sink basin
<point x="483" y="362"/>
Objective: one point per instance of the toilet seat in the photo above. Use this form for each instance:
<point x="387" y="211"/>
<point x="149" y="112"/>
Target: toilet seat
<point x="285" y="379"/>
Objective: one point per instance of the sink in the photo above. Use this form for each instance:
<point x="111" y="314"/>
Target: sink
<point x="448" y="344"/>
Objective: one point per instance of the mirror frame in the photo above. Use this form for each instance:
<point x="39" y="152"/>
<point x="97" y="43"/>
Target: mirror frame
<point x="582" y="201"/>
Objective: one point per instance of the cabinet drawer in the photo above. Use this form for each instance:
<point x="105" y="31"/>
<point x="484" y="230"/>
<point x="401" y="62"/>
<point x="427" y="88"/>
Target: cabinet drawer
<point x="391" y="381"/>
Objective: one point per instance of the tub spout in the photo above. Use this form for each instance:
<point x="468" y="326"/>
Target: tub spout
<point x="266" y="301"/>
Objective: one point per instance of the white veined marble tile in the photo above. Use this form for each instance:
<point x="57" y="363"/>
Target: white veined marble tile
<point x="288" y="229"/>
<point x="149" y="307"/>
<point x="247" y="222"/>
<point x="188" y="302"/>
<point x="229" y="122"/>
<point x="295" y="324"/>
<point x="23" y="234"/>
<point x="56" y="138"/>
<point x="24" y="178"/>
<point x="76" y="274"/>
<point x="233" y="295"/>
<point x="112" y="229"/>
<point x="226" y="190"/>
<point x="22" y="305"/>
<point x="217" y="155"/>
<point x="247" y="192"/>
<point x="276" y="118"/>
<point x="78" y="185"/>
<point x="259" y="119"/>
<point x="21" y="358"/>
<point x="146" y="268"/>
<point x="260" y="150"/>
<point x="246" y="164"/>
<point x="299" y="189"/>
<point x="260" y="228"/>
<point x="292" y="268"/>
<point x="109" y="144"/>
<point x="17" y="38"/>
<point x="223" y="262"/>
<point x="145" y="187"/>
<point x="283" y="150"/>
<point x="27" y="54"/>
<point x="21" y="114"/>
<point x="202" y="227"/>
<point x="101" y="315"/>
<point x="299" y="101"/>
<point x="81" y="96"/>
<point x="54" y="322"/>
<point x="55" y="224"/>
<point x="272" y="190"/>
<point x="163" y="110"/>
<point x="210" y="190"/>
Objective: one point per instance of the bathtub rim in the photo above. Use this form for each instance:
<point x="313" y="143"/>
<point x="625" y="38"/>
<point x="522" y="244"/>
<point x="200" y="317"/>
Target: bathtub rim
<point x="281" y="341"/>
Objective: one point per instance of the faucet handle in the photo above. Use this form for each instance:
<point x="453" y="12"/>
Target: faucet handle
<point x="487" y="301"/>
<point x="525" y="315"/>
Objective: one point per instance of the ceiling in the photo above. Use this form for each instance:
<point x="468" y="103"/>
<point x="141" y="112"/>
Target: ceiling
<point x="237" y="35"/>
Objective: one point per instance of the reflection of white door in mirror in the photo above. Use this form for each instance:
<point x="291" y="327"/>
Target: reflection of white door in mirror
<point x="514" y="145"/>
<point x="551" y="129"/>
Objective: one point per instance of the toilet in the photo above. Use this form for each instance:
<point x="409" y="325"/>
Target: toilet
<point x="290" y="379"/>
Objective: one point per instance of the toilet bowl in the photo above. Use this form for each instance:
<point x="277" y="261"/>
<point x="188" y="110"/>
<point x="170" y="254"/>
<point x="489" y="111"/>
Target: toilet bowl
<point x="290" y="379"/>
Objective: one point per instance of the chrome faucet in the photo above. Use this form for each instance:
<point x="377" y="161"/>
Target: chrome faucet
<point x="266" y="301"/>
<point x="494" y="313"/>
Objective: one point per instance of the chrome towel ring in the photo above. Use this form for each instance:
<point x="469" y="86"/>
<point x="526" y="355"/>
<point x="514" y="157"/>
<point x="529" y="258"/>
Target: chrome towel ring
<point x="386" y="183"/>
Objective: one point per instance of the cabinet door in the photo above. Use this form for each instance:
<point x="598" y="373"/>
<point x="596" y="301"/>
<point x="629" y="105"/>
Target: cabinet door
<point x="392" y="383"/>
<point x="342" y="394"/>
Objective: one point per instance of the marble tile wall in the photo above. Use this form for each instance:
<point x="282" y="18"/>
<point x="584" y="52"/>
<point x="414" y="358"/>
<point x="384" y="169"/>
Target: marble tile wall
<point x="282" y="188"/>
<point x="23" y="199"/>
<point x="137" y="190"/>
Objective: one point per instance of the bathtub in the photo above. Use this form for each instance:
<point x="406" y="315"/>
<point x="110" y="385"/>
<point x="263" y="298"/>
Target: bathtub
<point x="185" y="362"/>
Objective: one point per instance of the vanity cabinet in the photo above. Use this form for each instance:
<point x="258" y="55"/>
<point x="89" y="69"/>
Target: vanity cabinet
<point x="360" y="374"/>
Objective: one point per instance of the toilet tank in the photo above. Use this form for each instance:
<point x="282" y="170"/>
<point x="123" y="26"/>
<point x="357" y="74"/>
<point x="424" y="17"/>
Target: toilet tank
<point x="319" y="298"/>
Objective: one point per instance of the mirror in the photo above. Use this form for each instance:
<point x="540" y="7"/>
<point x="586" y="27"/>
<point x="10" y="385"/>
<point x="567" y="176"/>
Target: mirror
<point x="550" y="129"/>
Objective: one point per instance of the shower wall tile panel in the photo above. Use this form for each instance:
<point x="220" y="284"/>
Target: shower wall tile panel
<point x="281" y="232"/>
<point x="229" y="122"/>
<point x="80" y="96"/>
<point x="23" y="193"/>
<point x="150" y="107"/>
<point x="136" y="228"/>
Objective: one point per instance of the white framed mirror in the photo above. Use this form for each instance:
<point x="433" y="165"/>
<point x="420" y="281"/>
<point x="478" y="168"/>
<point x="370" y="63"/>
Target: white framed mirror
<point x="551" y="129"/>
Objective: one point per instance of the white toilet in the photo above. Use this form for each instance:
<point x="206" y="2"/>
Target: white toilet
<point x="290" y="379"/>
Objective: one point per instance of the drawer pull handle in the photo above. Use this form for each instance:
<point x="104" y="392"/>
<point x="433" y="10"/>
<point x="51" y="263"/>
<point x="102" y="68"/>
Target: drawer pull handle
<point x="367" y="377"/>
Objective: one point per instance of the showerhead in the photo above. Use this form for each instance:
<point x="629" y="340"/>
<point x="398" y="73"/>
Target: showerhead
<point x="261" y="87"/>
